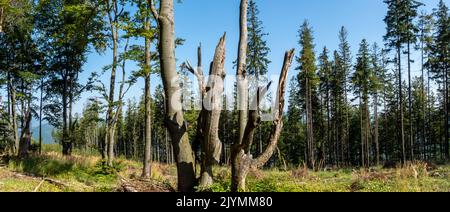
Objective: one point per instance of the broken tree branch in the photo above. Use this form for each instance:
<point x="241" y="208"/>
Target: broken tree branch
<point x="278" y="113"/>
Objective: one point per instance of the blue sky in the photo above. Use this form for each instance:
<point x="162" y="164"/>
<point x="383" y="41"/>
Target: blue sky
<point x="206" y="20"/>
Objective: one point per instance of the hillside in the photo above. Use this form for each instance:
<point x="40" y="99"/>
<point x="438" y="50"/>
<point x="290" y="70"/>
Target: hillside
<point x="47" y="130"/>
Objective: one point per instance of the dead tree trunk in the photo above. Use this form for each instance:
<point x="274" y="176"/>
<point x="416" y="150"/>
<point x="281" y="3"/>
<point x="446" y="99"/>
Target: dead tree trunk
<point x="242" y="81"/>
<point x="174" y="114"/>
<point x="242" y="160"/>
<point x="208" y="121"/>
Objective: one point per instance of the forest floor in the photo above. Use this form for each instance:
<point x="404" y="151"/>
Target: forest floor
<point x="51" y="172"/>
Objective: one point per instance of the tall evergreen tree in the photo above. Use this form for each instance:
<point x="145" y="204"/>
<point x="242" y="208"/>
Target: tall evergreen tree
<point x="325" y="76"/>
<point x="307" y="78"/>
<point x="394" y="41"/>
<point x="362" y="80"/>
<point x="257" y="57"/>
<point x="408" y="13"/>
<point x="439" y="62"/>
<point x="344" y="67"/>
<point x="425" y="25"/>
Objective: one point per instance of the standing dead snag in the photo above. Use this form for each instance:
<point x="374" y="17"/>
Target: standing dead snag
<point x="175" y="122"/>
<point x="242" y="81"/>
<point x="211" y="145"/>
<point x="207" y="134"/>
<point x="242" y="159"/>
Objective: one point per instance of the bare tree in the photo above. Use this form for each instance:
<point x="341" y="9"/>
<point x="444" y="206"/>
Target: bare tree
<point x="249" y="120"/>
<point x="208" y="121"/>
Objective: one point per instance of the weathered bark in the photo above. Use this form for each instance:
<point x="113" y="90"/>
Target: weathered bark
<point x="211" y="145"/>
<point x="174" y="113"/>
<point x="242" y="81"/>
<point x="146" y="173"/>
<point x="242" y="160"/>
<point x="238" y="158"/>
<point x="208" y="122"/>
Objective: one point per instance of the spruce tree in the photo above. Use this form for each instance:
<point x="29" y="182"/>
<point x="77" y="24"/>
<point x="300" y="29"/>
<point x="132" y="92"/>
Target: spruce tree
<point x="308" y="80"/>
<point x="361" y="82"/>
<point x="439" y="62"/>
<point x="344" y="67"/>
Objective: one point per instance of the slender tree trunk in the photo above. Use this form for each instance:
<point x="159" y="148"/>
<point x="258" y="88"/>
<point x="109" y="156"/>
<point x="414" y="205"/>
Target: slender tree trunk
<point x="110" y="124"/>
<point x="400" y="88"/>
<point x="424" y="103"/>
<point x="64" y="139"/>
<point x="446" y="112"/>
<point x="411" y="137"/>
<point x="377" y="144"/>
<point x="328" y="116"/>
<point x="309" y="125"/>
<point x="239" y="169"/>
<point x="146" y="173"/>
<point x="347" y="126"/>
<point x="362" y="133"/>
<point x="368" y="127"/>
<point x="12" y="93"/>
<point x="70" y="127"/>
<point x="40" y="115"/>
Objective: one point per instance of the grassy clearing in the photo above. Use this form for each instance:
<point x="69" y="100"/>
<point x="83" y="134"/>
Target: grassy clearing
<point x="76" y="173"/>
<point x="88" y="174"/>
<point x="417" y="177"/>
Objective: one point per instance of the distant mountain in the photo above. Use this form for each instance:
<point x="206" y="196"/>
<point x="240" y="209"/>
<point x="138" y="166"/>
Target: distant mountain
<point x="47" y="130"/>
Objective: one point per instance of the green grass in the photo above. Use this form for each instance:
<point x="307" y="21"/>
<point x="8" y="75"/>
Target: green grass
<point x="21" y="185"/>
<point x="79" y="173"/>
<point x="88" y="173"/>
<point x="408" y="179"/>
